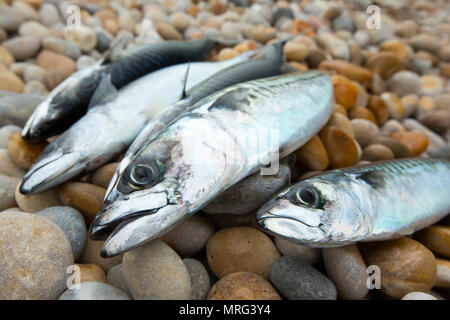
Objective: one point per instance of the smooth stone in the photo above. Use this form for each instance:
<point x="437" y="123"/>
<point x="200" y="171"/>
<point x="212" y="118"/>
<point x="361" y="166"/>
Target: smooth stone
<point x="384" y="63"/>
<point x="226" y="54"/>
<point x="8" y="166"/>
<point x="425" y="42"/>
<point x="72" y="223"/>
<point x="362" y="113"/>
<point x="436" y="238"/>
<point x="37" y="202"/>
<point x="364" y="131"/>
<point x="310" y="255"/>
<point x="438" y="121"/>
<point x="36" y="88"/>
<point x="50" y="60"/>
<point x="295" y="51"/>
<point x="250" y="193"/>
<point x="410" y="103"/>
<point x="190" y="236"/>
<point x="103" y="175"/>
<point x="432" y="85"/>
<point x="23" y="47"/>
<point x="442" y="152"/>
<point x="378" y="108"/>
<point x="404" y="82"/>
<point x="347" y="270"/>
<point x="53" y="78"/>
<point x="7" y="189"/>
<point x="400" y="49"/>
<point x="377" y="152"/>
<point x="342" y="122"/>
<point x="443" y="274"/>
<point x="239" y="249"/>
<point x="91" y="255"/>
<point x="313" y="155"/>
<point x="49" y="14"/>
<point x="84" y="62"/>
<point x="392" y="126"/>
<point x="35" y="257"/>
<point x="26" y="9"/>
<point x="33" y="72"/>
<point x="399" y="149"/>
<point x="168" y="32"/>
<point x="5" y="132"/>
<point x="341" y="148"/>
<point x="443" y="102"/>
<point x="425" y="104"/>
<point x="243" y="286"/>
<point x="350" y="70"/>
<point x="11" y="18"/>
<point x="94" y="291"/>
<point x="6" y="57"/>
<point x="231" y="30"/>
<point x="61" y="46"/>
<point x="345" y="91"/>
<point x="24" y="153"/>
<point x="405" y="265"/>
<point x="85" y="197"/>
<point x="263" y="34"/>
<point x="394" y="104"/>
<point x="415" y="141"/>
<point x="154" y="271"/>
<point x="434" y="140"/>
<point x="338" y="48"/>
<point x="91" y="272"/>
<point x="9" y="82"/>
<point x="15" y="109"/>
<point x="419" y="296"/>
<point x="406" y="28"/>
<point x="84" y="37"/>
<point x="297" y="280"/>
<point x="116" y="279"/>
<point x="33" y="29"/>
<point x="200" y="283"/>
<point x="127" y="22"/>
<point x="180" y="20"/>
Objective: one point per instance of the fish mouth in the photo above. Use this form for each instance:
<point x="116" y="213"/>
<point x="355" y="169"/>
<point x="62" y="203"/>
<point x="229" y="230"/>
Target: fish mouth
<point x="50" y="171"/>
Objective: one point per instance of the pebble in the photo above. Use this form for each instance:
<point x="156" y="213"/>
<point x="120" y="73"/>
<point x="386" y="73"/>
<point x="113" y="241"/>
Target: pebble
<point x="11" y="18"/>
<point x="35" y="256"/>
<point x="415" y="141"/>
<point x="441" y="152"/>
<point x="432" y="85"/>
<point x="425" y="104"/>
<point x="116" y="279"/>
<point x="313" y="155"/>
<point x="378" y="108"/>
<point x="103" y="175"/>
<point x="401" y="50"/>
<point x="385" y="64"/>
<point x="443" y="274"/>
<point x="8" y="166"/>
<point x="438" y="121"/>
<point x="250" y="193"/>
<point x="49" y="14"/>
<point x="399" y="149"/>
<point x="333" y="45"/>
<point x="226" y="54"/>
<point x="91" y="272"/>
<point x="410" y="103"/>
<point x="9" y="82"/>
<point x="406" y="28"/>
<point x="418" y="296"/>
<point x="85" y="197"/>
<point x="190" y="236"/>
<point x="349" y="70"/>
<point x="50" y="60"/>
<point x="33" y="29"/>
<point x="425" y="42"/>
<point x="295" y="51"/>
<point x="84" y="37"/>
<point x="15" y="109"/>
<point x="22" y="48"/>
<point x="37" y="202"/>
<point x="377" y="152"/>
<point x="200" y="283"/>
<point x="53" y="78"/>
<point x="33" y="72"/>
<point x="436" y="238"/>
<point x="364" y="131"/>
<point x="243" y="286"/>
<point x="342" y="122"/>
<point x="434" y="140"/>
<point x="341" y="148"/>
<point x="93" y="290"/>
<point x="263" y="34"/>
<point x="72" y="223"/>
<point x="168" y="32"/>
<point x="6" y="57"/>
<point x="154" y="271"/>
<point x="91" y="255"/>
<point x="5" y="132"/>
<point x="7" y="189"/>
<point x="180" y="20"/>
<point x="443" y="102"/>
<point x="404" y="82"/>
<point x="297" y="280"/>
<point x="239" y="249"/>
<point x="347" y="270"/>
<point x="394" y="104"/>
<point x="392" y="126"/>
<point x="61" y="46"/>
<point x="405" y="265"/>
<point x="309" y="255"/>
<point x="345" y="91"/>
<point x="362" y="113"/>
<point x="24" y="153"/>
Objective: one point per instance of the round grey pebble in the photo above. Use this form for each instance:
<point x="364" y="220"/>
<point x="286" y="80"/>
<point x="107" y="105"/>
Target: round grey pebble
<point x="72" y="223"/>
<point x="404" y="82"/>
<point x="116" y="279"/>
<point x="15" y="109"/>
<point x="297" y="280"/>
<point x="200" y="283"/>
<point x="92" y="290"/>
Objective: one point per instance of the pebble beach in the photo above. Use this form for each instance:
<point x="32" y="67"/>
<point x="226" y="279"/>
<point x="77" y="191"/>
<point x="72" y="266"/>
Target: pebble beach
<point x="389" y="64"/>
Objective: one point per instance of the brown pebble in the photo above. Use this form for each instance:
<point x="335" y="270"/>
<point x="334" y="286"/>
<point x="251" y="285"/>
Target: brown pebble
<point x="443" y="274"/>
<point x="312" y="155"/>
<point x="91" y="255"/>
<point x="52" y="78"/>
<point x="226" y="54"/>
<point x="378" y="108"/>
<point x="438" y="121"/>
<point x="247" y="45"/>
<point x="377" y="152"/>
<point x="243" y="286"/>
<point x="239" y="249"/>
<point x="399" y="149"/>
<point x="436" y="238"/>
<point x="91" y="272"/>
<point x="295" y="51"/>
<point x="385" y="64"/>
<point x="85" y="197"/>
<point x="349" y="70"/>
<point x="405" y="265"/>
<point x="341" y="148"/>
<point x="415" y="141"/>
<point x="168" y="32"/>
<point x="24" y="153"/>
<point x="342" y="122"/>
<point x="362" y="113"/>
<point x="50" y="60"/>
<point x="103" y="175"/>
<point x="345" y="91"/>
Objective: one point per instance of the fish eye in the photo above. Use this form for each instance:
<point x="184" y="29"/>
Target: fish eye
<point x="144" y="175"/>
<point x="309" y="196"/>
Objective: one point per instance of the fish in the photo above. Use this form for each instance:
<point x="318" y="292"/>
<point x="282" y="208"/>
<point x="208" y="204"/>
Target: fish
<point x="374" y="202"/>
<point x="110" y="125"/>
<point x="224" y="138"/>
<point x="70" y="100"/>
<point x="268" y="62"/>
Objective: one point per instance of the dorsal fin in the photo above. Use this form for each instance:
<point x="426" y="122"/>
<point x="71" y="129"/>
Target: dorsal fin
<point x="115" y="52"/>
<point x="183" y="92"/>
<point x="373" y="178"/>
<point x="104" y="92"/>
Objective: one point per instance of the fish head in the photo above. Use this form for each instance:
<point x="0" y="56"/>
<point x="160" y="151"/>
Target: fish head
<point x="159" y="188"/>
<point x="315" y="212"/>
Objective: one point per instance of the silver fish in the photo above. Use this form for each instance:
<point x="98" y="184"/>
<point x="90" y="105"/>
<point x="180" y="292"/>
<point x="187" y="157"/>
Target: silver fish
<point x="207" y="150"/>
<point x="108" y="128"/>
<point x="69" y="101"/>
<point x="373" y="202"/>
